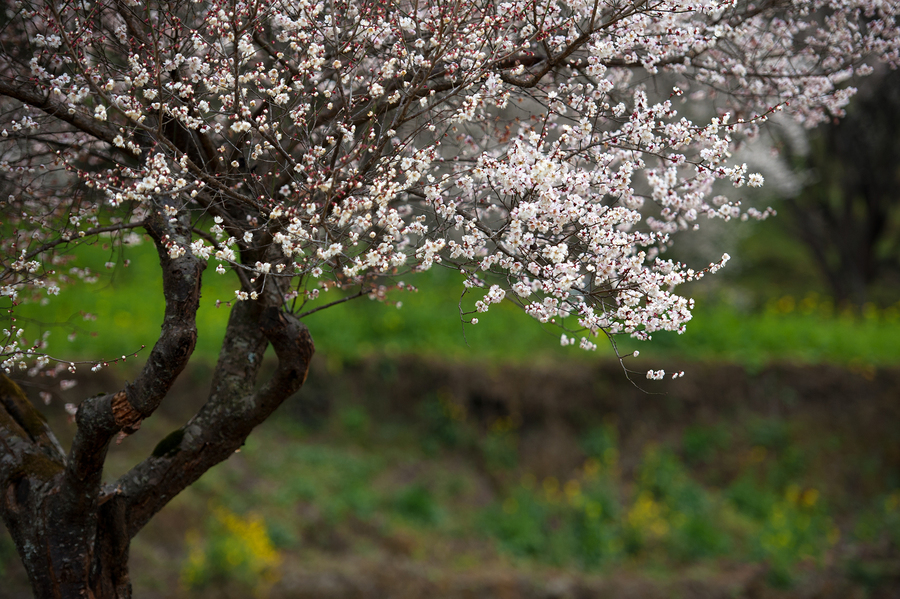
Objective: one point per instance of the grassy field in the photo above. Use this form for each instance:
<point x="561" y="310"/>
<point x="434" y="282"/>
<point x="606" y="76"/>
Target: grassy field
<point x="122" y="312"/>
<point x="762" y="493"/>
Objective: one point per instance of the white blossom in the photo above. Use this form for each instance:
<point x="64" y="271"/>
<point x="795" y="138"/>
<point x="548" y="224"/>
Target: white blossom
<point x="356" y="144"/>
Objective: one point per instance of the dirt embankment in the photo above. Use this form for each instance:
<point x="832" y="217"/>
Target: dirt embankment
<point x="551" y="406"/>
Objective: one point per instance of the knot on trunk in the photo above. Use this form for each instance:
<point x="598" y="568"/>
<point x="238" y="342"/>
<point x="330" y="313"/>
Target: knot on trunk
<point x="125" y="415"/>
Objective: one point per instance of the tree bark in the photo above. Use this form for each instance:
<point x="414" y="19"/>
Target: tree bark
<point x="74" y="538"/>
<point x="71" y="531"/>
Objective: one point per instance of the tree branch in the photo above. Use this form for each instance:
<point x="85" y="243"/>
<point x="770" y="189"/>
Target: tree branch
<point x="26" y="440"/>
<point x="232" y="411"/>
<point x="102" y="417"/>
<point x="17" y="410"/>
<point x="30" y="95"/>
<point x="31" y="463"/>
<point x="89" y="233"/>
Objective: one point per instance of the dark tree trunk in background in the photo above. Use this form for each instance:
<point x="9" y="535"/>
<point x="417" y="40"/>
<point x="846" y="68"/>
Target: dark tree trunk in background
<point x="849" y="218"/>
<point x="73" y="532"/>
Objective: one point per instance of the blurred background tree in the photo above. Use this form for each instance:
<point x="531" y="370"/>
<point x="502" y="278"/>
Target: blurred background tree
<point x="847" y="213"/>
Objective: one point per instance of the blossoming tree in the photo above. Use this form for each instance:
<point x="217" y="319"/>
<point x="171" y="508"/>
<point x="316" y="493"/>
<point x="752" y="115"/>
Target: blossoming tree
<point x="548" y="149"/>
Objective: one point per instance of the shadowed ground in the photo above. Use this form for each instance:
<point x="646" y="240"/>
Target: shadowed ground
<point x="404" y="477"/>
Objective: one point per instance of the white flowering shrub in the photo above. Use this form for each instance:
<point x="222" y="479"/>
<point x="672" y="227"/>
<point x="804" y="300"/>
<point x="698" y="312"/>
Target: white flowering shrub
<point x="345" y="144"/>
<point x="547" y="150"/>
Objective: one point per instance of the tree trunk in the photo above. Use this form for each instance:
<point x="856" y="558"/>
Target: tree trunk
<point x="73" y="533"/>
<point x="67" y="554"/>
<point x="70" y="546"/>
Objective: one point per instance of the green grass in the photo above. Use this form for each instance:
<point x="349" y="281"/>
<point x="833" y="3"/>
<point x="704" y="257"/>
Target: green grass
<point x="722" y="332"/>
<point x="352" y="487"/>
<point x="128" y="307"/>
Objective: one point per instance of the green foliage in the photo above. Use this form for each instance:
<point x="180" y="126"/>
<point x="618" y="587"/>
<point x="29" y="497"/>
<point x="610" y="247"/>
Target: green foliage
<point x="601" y="443"/>
<point x="879" y="526"/>
<point x="586" y="520"/>
<point x="666" y="516"/>
<point x="700" y="444"/>
<point x="597" y="536"/>
<point x="772" y="433"/>
<point x="577" y="522"/>
<point x="672" y="508"/>
<point x="797" y="528"/>
<point x="354" y="421"/>
<point x="338" y="482"/>
<point x="234" y="550"/>
<point x="357" y="488"/>
<point x="443" y="423"/>
<point x="751" y="498"/>
<point x="881" y="521"/>
<point x="416" y="503"/>
<point x="788" y="468"/>
<point x="789" y="524"/>
<point x="592" y="519"/>
<point x="519" y="524"/>
<point x="724" y="332"/>
<point x="500" y="448"/>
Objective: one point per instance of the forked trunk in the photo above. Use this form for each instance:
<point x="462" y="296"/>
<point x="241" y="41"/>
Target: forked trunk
<point x="71" y="531"/>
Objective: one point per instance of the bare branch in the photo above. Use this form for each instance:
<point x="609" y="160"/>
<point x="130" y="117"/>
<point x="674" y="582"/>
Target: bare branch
<point x="27" y="93"/>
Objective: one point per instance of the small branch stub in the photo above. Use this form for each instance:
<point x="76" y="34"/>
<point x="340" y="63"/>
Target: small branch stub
<point x="125" y="415"/>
